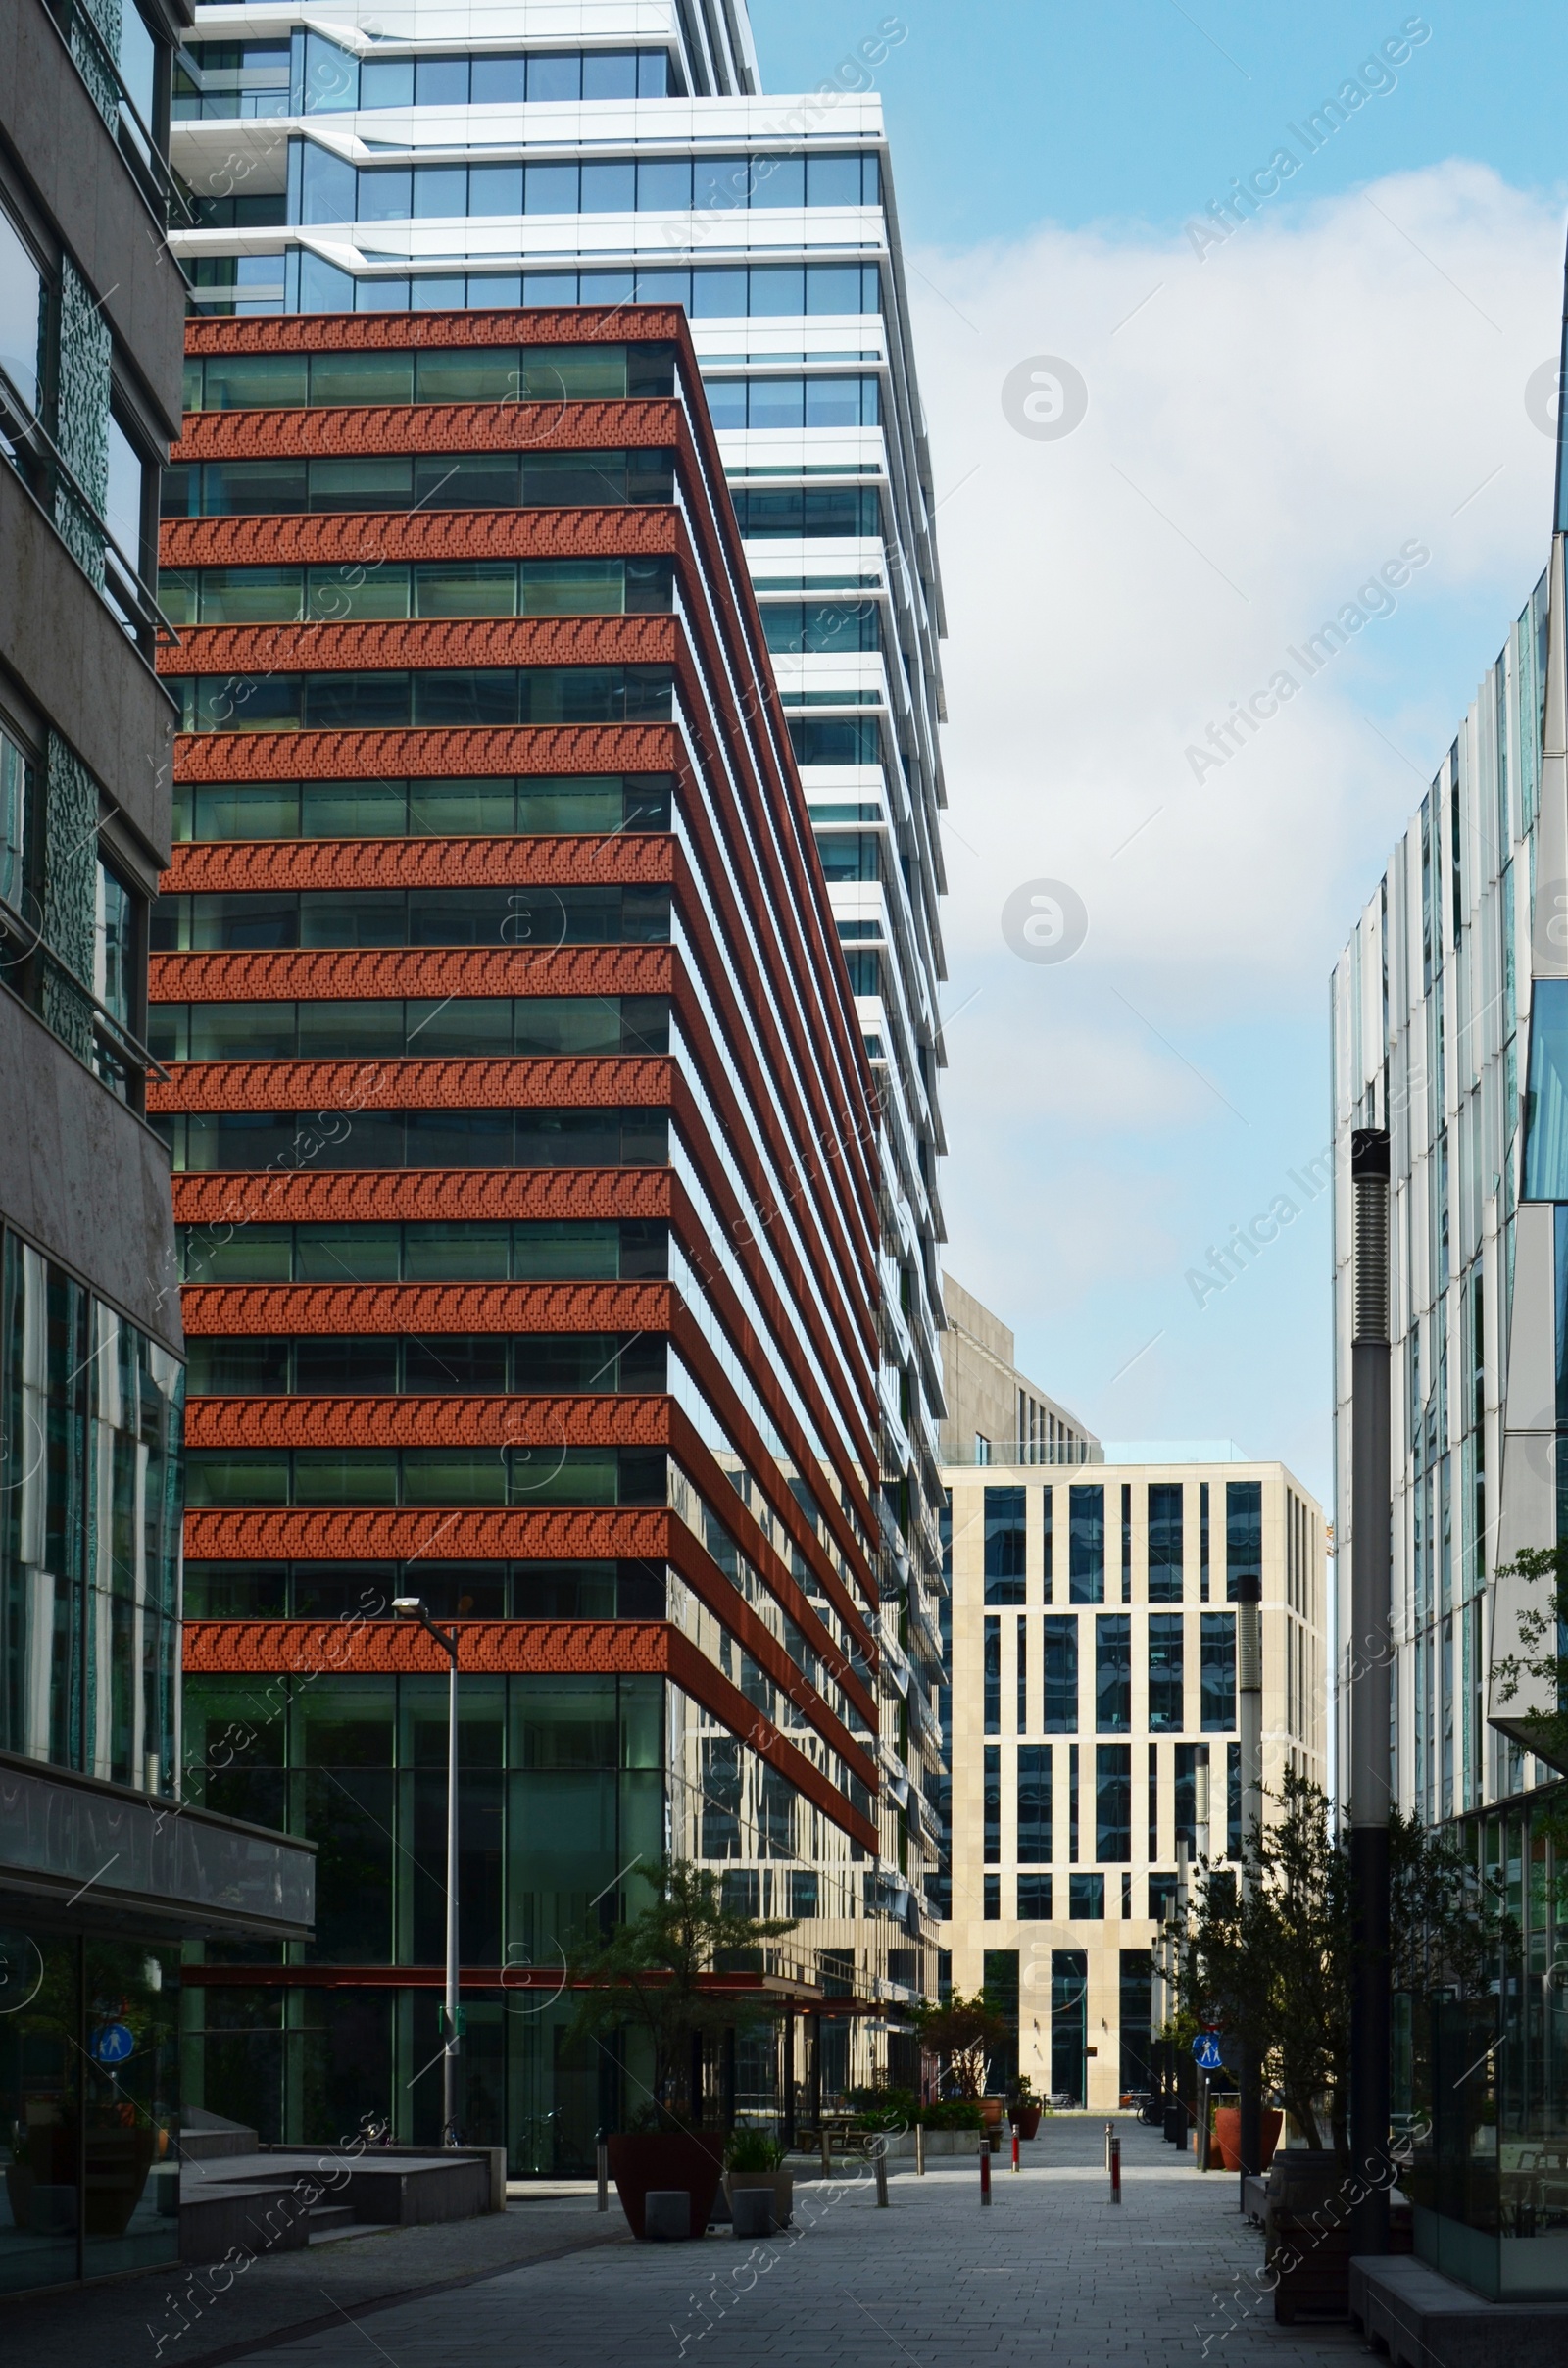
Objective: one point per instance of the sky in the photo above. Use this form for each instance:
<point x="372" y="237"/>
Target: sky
<point x="1249" y="424"/>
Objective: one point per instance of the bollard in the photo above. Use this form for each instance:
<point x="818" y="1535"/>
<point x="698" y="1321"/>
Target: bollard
<point x="881" y="2177"/>
<point x="1115" y="2169"/>
<point x="827" y="2152"/>
<point x="1015" y="2146"/>
<point x="985" y="2171"/>
<point x="1109" y="2133"/>
<point x="603" y="2152"/>
<point x="1181" y="2133"/>
<point x="919" y="2148"/>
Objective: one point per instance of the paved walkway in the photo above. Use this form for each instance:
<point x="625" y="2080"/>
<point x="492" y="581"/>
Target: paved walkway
<point x="1051" y="2272"/>
<point x="198" y="2318"/>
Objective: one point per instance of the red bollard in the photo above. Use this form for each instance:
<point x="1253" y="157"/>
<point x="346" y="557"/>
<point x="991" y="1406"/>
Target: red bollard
<point x="1015" y="2146"/>
<point x="985" y="2171"/>
<point x="1115" y="2168"/>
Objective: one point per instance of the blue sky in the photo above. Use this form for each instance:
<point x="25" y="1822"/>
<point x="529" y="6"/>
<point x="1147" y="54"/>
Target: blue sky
<point x="1266" y="425"/>
<point x="1009" y="113"/>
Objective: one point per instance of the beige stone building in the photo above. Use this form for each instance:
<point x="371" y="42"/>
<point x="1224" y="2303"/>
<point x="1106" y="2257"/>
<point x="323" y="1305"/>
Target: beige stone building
<point x="1093" y="1698"/>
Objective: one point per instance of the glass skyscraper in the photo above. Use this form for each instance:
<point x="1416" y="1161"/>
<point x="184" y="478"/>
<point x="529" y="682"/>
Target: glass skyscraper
<point x="449" y="169"/>
<point x="1450" y="1031"/>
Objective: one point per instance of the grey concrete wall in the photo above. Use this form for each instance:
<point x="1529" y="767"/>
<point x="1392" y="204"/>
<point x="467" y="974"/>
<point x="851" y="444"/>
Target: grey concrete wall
<point x="74" y="663"/>
<point x="82" y="1176"/>
<point x="85" y="182"/>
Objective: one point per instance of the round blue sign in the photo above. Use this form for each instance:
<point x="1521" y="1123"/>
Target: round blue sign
<point x="111" y="2044"/>
<point x="1206" y="2051"/>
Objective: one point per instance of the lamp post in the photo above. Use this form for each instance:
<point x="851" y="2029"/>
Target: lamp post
<point x="412" y="1608"/>
<point x="1250" y="1729"/>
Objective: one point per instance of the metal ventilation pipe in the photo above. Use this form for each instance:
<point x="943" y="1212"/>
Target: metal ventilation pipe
<point x="1370" y="1646"/>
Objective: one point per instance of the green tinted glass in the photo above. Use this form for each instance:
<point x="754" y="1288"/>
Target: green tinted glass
<point x="346" y="1254"/>
<point x="467" y="588"/>
<point x="570" y="371"/>
<point x="244" y="596"/>
<point x="352" y="810"/>
<point x="253" y="381"/>
<point x="455" y="809"/>
<point x="363" y="377"/>
<point x="573" y="587"/>
<point x="351" y="591"/>
<point x="477" y="373"/>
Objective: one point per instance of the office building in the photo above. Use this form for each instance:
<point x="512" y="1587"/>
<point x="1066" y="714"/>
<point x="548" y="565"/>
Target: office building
<point x="1094" y="1714"/>
<point x="1450" y="1032"/>
<point x="104" y="1872"/>
<point x="356" y="156"/>
<point x="504" y="1015"/>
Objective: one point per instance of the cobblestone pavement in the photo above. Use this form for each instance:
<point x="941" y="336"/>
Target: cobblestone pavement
<point x="1051" y="2271"/>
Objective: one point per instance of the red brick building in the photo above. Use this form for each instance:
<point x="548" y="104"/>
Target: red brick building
<point x="524" y="1170"/>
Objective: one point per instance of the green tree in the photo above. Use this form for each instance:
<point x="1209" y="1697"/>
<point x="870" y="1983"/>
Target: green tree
<point x="1543" y="1631"/>
<point x="649" y="1974"/>
<point x="1269" y="1960"/>
<point x="963" y="2034"/>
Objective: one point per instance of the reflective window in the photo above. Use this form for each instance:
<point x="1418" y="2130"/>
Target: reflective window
<point x="89" y="1530"/>
<point x="1217" y="1671"/>
<point x="1166" y="1713"/>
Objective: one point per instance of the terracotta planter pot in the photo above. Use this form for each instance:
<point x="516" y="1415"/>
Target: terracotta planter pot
<point x="643" y="2160"/>
<point x="1025" y="2120"/>
<point x="782" y="2183"/>
<point x="1228" y="2136"/>
<point x="994" y="2110"/>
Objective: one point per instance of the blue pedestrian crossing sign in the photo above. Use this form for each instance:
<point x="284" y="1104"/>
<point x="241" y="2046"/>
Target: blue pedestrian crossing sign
<point x="111" y="2044"/>
<point x="1206" y="2051"/>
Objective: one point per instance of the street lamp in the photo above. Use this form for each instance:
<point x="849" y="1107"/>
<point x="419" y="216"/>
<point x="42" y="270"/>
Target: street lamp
<point x="412" y="1608"/>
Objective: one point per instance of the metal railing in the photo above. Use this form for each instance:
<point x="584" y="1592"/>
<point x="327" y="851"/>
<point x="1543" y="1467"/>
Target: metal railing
<point x="149" y="169"/>
<point x="46" y="474"/>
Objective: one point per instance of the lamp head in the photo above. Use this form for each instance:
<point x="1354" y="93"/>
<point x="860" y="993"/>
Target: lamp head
<point x="408" y="1606"/>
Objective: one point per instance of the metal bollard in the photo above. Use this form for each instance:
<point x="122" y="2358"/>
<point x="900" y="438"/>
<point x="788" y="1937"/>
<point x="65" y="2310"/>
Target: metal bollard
<point x="919" y="2148"/>
<point x="827" y="2152"/>
<point x="1115" y="2168"/>
<point x="985" y="2170"/>
<point x="1109" y="2131"/>
<point x="1015" y="2146"/>
<point x="1181" y="2131"/>
<point x="882" y="2178"/>
<point x="602" y="2152"/>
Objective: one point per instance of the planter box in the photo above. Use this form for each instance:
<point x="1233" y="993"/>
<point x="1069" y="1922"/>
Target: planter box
<point x="1228" y="2136"/>
<point x="782" y="2183"/>
<point x="1306" y="2234"/>
<point x="661" y="2159"/>
<point x="1025" y="2120"/>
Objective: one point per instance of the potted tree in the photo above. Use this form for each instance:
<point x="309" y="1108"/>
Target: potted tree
<point x="963" y="2034"/>
<point x="1023" y="2106"/>
<point x="753" y="2159"/>
<point x="1269" y="1962"/>
<point x="648" y="1974"/>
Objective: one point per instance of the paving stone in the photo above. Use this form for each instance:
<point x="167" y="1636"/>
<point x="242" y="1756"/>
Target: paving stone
<point x="1051" y="2271"/>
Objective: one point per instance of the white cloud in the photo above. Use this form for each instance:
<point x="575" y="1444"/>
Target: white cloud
<point x="1263" y="433"/>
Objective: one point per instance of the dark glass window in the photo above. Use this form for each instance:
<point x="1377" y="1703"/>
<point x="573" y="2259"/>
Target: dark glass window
<point x="993" y="1804"/>
<point x="993" y="1676"/>
<point x="1046" y="1498"/>
<point x="1004" y="1545"/>
<point x="1166" y="1714"/>
<point x="1243" y="1533"/>
<point x="991" y="1898"/>
<point x="1113" y="1802"/>
<point x="1062" y="1674"/>
<point x="1160" y="1888"/>
<point x="1034" y="1805"/>
<point x="1136" y="1988"/>
<point x="1086" y="1574"/>
<point x="1184" y="1793"/>
<point x="1034" y="1899"/>
<point x="1086" y="1897"/>
<point x="1126" y="1543"/>
<point x="1113" y="1673"/>
<point x="1217" y="1670"/>
<point x="1165" y="1542"/>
